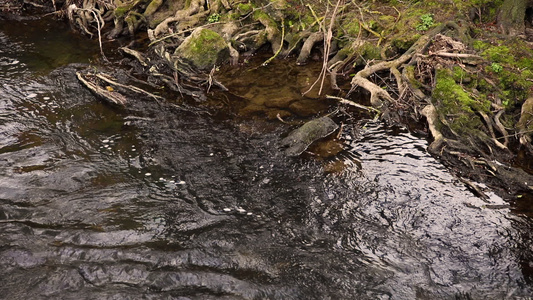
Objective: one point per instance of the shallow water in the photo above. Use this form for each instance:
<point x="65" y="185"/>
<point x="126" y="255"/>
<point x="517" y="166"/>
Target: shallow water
<point x="169" y="203"/>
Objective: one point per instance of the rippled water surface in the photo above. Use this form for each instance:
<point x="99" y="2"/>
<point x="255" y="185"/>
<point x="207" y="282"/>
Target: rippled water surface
<point x="169" y="203"/>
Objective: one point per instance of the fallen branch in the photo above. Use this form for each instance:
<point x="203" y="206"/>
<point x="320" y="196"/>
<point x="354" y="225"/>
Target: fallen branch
<point x="110" y="96"/>
<point x="351" y="103"/>
<point x="129" y="87"/>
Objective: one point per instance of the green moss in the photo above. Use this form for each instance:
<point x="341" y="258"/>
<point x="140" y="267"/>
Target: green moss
<point x="346" y="51"/>
<point x="367" y="52"/>
<point x="525" y="63"/>
<point x="371" y="51"/>
<point x="350" y="25"/>
<point x="244" y="8"/>
<point x="387" y="20"/>
<point x="458" y="74"/>
<point x="511" y="66"/>
<point x="405" y="42"/>
<point x="410" y="72"/>
<point x="484" y="86"/>
<point x="204" y="48"/>
<point x="498" y="54"/>
<point x="307" y="22"/>
<point x="260" y="14"/>
<point x="152" y="7"/>
<point x="455" y="104"/>
<point x="122" y="10"/>
<point x="480" y="45"/>
<point x="230" y="17"/>
<point x="264" y="18"/>
<point x="450" y="93"/>
<point x="515" y="86"/>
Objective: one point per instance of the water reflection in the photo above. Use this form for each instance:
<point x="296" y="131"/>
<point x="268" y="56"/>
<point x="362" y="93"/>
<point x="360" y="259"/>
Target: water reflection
<point x="161" y="203"/>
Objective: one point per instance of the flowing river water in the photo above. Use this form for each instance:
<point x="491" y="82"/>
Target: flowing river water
<point x="163" y="203"/>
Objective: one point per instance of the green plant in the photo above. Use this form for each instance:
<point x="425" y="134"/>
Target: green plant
<point x="505" y="102"/>
<point x="496" y="67"/>
<point x="426" y="21"/>
<point x="213" y="18"/>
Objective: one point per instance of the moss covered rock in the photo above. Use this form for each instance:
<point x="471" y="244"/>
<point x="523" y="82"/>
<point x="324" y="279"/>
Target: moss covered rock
<point x="203" y="49"/>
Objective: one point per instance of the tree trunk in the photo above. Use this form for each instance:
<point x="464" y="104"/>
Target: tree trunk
<point x="512" y="16"/>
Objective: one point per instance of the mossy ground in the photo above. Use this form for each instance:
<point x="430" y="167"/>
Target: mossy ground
<point x="455" y="103"/>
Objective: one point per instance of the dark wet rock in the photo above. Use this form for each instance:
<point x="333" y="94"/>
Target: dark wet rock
<point x="300" y="139"/>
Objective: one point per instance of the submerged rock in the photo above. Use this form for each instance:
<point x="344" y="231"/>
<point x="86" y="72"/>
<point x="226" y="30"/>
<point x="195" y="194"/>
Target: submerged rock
<point x="300" y="139"/>
<point x="203" y="49"/>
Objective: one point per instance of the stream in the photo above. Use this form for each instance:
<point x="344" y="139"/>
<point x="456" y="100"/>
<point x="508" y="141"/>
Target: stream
<point x="169" y="203"/>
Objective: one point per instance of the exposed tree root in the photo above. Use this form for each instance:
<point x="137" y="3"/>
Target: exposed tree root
<point x="308" y="45"/>
<point x="379" y="95"/>
<point x="432" y="118"/>
<point x="195" y="7"/>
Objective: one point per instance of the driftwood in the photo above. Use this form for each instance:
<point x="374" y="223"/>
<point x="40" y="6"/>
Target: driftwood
<point x="106" y="93"/>
<point x="109" y="90"/>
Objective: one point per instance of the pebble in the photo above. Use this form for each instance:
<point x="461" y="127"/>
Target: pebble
<point x="227" y="209"/>
<point x="148" y="174"/>
<point x="181" y="182"/>
<point x="32" y="95"/>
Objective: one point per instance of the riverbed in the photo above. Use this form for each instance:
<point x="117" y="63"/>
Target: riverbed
<point x="184" y="202"/>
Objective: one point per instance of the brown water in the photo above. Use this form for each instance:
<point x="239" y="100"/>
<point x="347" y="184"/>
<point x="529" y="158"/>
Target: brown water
<point x="165" y="203"/>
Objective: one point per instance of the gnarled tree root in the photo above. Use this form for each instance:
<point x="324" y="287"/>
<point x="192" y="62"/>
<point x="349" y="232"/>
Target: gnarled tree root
<point x="377" y="94"/>
<point x="195" y="7"/>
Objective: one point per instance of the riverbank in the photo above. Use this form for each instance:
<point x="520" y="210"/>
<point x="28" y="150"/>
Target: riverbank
<point x="179" y="198"/>
<point x="445" y="66"/>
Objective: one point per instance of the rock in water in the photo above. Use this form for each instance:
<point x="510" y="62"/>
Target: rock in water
<point x="299" y="139"/>
<point x="203" y="49"/>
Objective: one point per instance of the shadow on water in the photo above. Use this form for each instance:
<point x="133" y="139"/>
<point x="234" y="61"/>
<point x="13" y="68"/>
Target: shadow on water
<point x="167" y="203"/>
